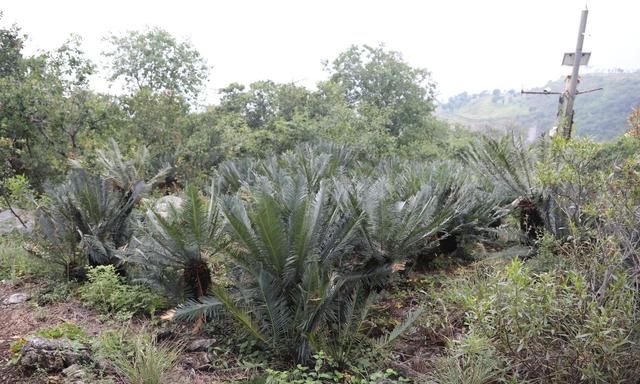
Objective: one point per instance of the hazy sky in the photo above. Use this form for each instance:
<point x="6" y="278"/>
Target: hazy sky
<point x="467" y="45"/>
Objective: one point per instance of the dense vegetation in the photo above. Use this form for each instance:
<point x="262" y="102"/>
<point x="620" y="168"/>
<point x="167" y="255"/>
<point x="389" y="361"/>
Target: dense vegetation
<point x="321" y="236"/>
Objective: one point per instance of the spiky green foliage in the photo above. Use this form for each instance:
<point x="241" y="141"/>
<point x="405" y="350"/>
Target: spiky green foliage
<point x="314" y="233"/>
<point x="294" y="245"/>
<point x="314" y="162"/>
<point x="174" y="251"/>
<point x="87" y="220"/>
<point x="507" y="162"/>
<point x="298" y="271"/>
<point x="124" y="173"/>
<point x="137" y="357"/>
<point x="408" y="208"/>
<point x="510" y="166"/>
<point x="313" y="241"/>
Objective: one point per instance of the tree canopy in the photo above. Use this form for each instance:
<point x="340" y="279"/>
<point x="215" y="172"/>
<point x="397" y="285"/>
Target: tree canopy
<point x="154" y="59"/>
<point x="379" y="83"/>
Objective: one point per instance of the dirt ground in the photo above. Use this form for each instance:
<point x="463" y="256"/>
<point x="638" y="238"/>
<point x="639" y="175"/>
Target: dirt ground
<point x="18" y="320"/>
<point x="413" y="354"/>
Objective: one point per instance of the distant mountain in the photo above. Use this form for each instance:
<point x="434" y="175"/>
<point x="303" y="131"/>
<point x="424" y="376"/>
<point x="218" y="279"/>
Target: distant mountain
<point x="601" y="115"/>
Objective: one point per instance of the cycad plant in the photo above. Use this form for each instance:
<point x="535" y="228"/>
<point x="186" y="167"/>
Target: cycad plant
<point x="510" y="165"/>
<point x="89" y="218"/>
<point x="87" y="222"/>
<point x="505" y="160"/>
<point x="315" y="162"/>
<point x="124" y="173"/>
<point x="299" y="275"/>
<point x="173" y="252"/>
<point x="393" y="229"/>
<point x="409" y="208"/>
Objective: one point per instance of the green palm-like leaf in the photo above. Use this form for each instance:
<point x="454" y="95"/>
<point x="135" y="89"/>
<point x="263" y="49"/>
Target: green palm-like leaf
<point x="181" y="242"/>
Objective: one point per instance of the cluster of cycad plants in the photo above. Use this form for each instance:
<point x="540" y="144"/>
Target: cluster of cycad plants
<point x="306" y="239"/>
<point x="311" y="237"/>
<point x="296" y="247"/>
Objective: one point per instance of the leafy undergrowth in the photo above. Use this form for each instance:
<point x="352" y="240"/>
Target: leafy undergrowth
<point x="149" y="343"/>
<point x="498" y="319"/>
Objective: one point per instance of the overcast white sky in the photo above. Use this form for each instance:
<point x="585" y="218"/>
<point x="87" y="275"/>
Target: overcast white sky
<point x="467" y="45"/>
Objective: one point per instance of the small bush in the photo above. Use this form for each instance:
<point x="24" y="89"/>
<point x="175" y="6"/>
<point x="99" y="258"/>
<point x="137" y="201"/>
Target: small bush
<point x="19" y="191"/>
<point x="471" y="361"/>
<point x="108" y="292"/>
<point x="67" y="330"/>
<point x="56" y="291"/>
<point x="326" y="371"/>
<point x="551" y="327"/>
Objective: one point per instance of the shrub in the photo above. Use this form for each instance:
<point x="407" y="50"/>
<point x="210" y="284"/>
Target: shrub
<point x="70" y="331"/>
<point x="470" y="361"/>
<point x="108" y="292"/>
<point x="325" y="371"/>
<point x="551" y="327"/>
<point x="19" y="191"/>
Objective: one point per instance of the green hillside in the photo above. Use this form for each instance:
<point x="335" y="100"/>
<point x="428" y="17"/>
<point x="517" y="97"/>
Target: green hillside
<point x="601" y="115"/>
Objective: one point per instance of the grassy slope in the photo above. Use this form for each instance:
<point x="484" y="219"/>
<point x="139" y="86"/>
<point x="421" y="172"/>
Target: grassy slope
<point x="601" y="115"/>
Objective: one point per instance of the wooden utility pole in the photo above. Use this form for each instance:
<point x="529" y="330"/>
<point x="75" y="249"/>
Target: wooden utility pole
<point x="575" y="59"/>
<point x="566" y="123"/>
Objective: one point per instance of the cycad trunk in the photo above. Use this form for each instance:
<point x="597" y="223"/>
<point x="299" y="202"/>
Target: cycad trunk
<point x="198" y="279"/>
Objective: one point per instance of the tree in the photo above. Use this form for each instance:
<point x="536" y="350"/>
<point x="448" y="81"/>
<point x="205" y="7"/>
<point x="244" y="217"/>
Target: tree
<point x="265" y="102"/>
<point x="379" y="84"/>
<point x="155" y="60"/>
<point x="265" y="118"/>
<point x="11" y="42"/>
<point x="45" y="107"/>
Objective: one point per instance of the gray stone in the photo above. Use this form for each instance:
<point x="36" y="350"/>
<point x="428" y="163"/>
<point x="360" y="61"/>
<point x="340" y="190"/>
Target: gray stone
<point x="76" y="374"/>
<point x="52" y="355"/>
<point x="163" y="205"/>
<point x="200" y="345"/>
<point x="16" y="298"/>
<point x="196" y="360"/>
<point x="9" y="222"/>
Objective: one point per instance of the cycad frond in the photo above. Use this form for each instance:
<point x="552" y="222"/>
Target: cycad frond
<point x="400" y="328"/>
<point x="89" y="216"/>
<point x="181" y="242"/>
<point x="123" y="173"/>
<point x="507" y="161"/>
<point x="193" y="309"/>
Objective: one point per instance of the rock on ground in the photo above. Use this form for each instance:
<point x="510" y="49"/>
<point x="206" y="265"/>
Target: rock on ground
<point x="16" y="298"/>
<point x="200" y="345"/>
<point x="163" y="205"/>
<point x="52" y="355"/>
<point x="9" y="223"/>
